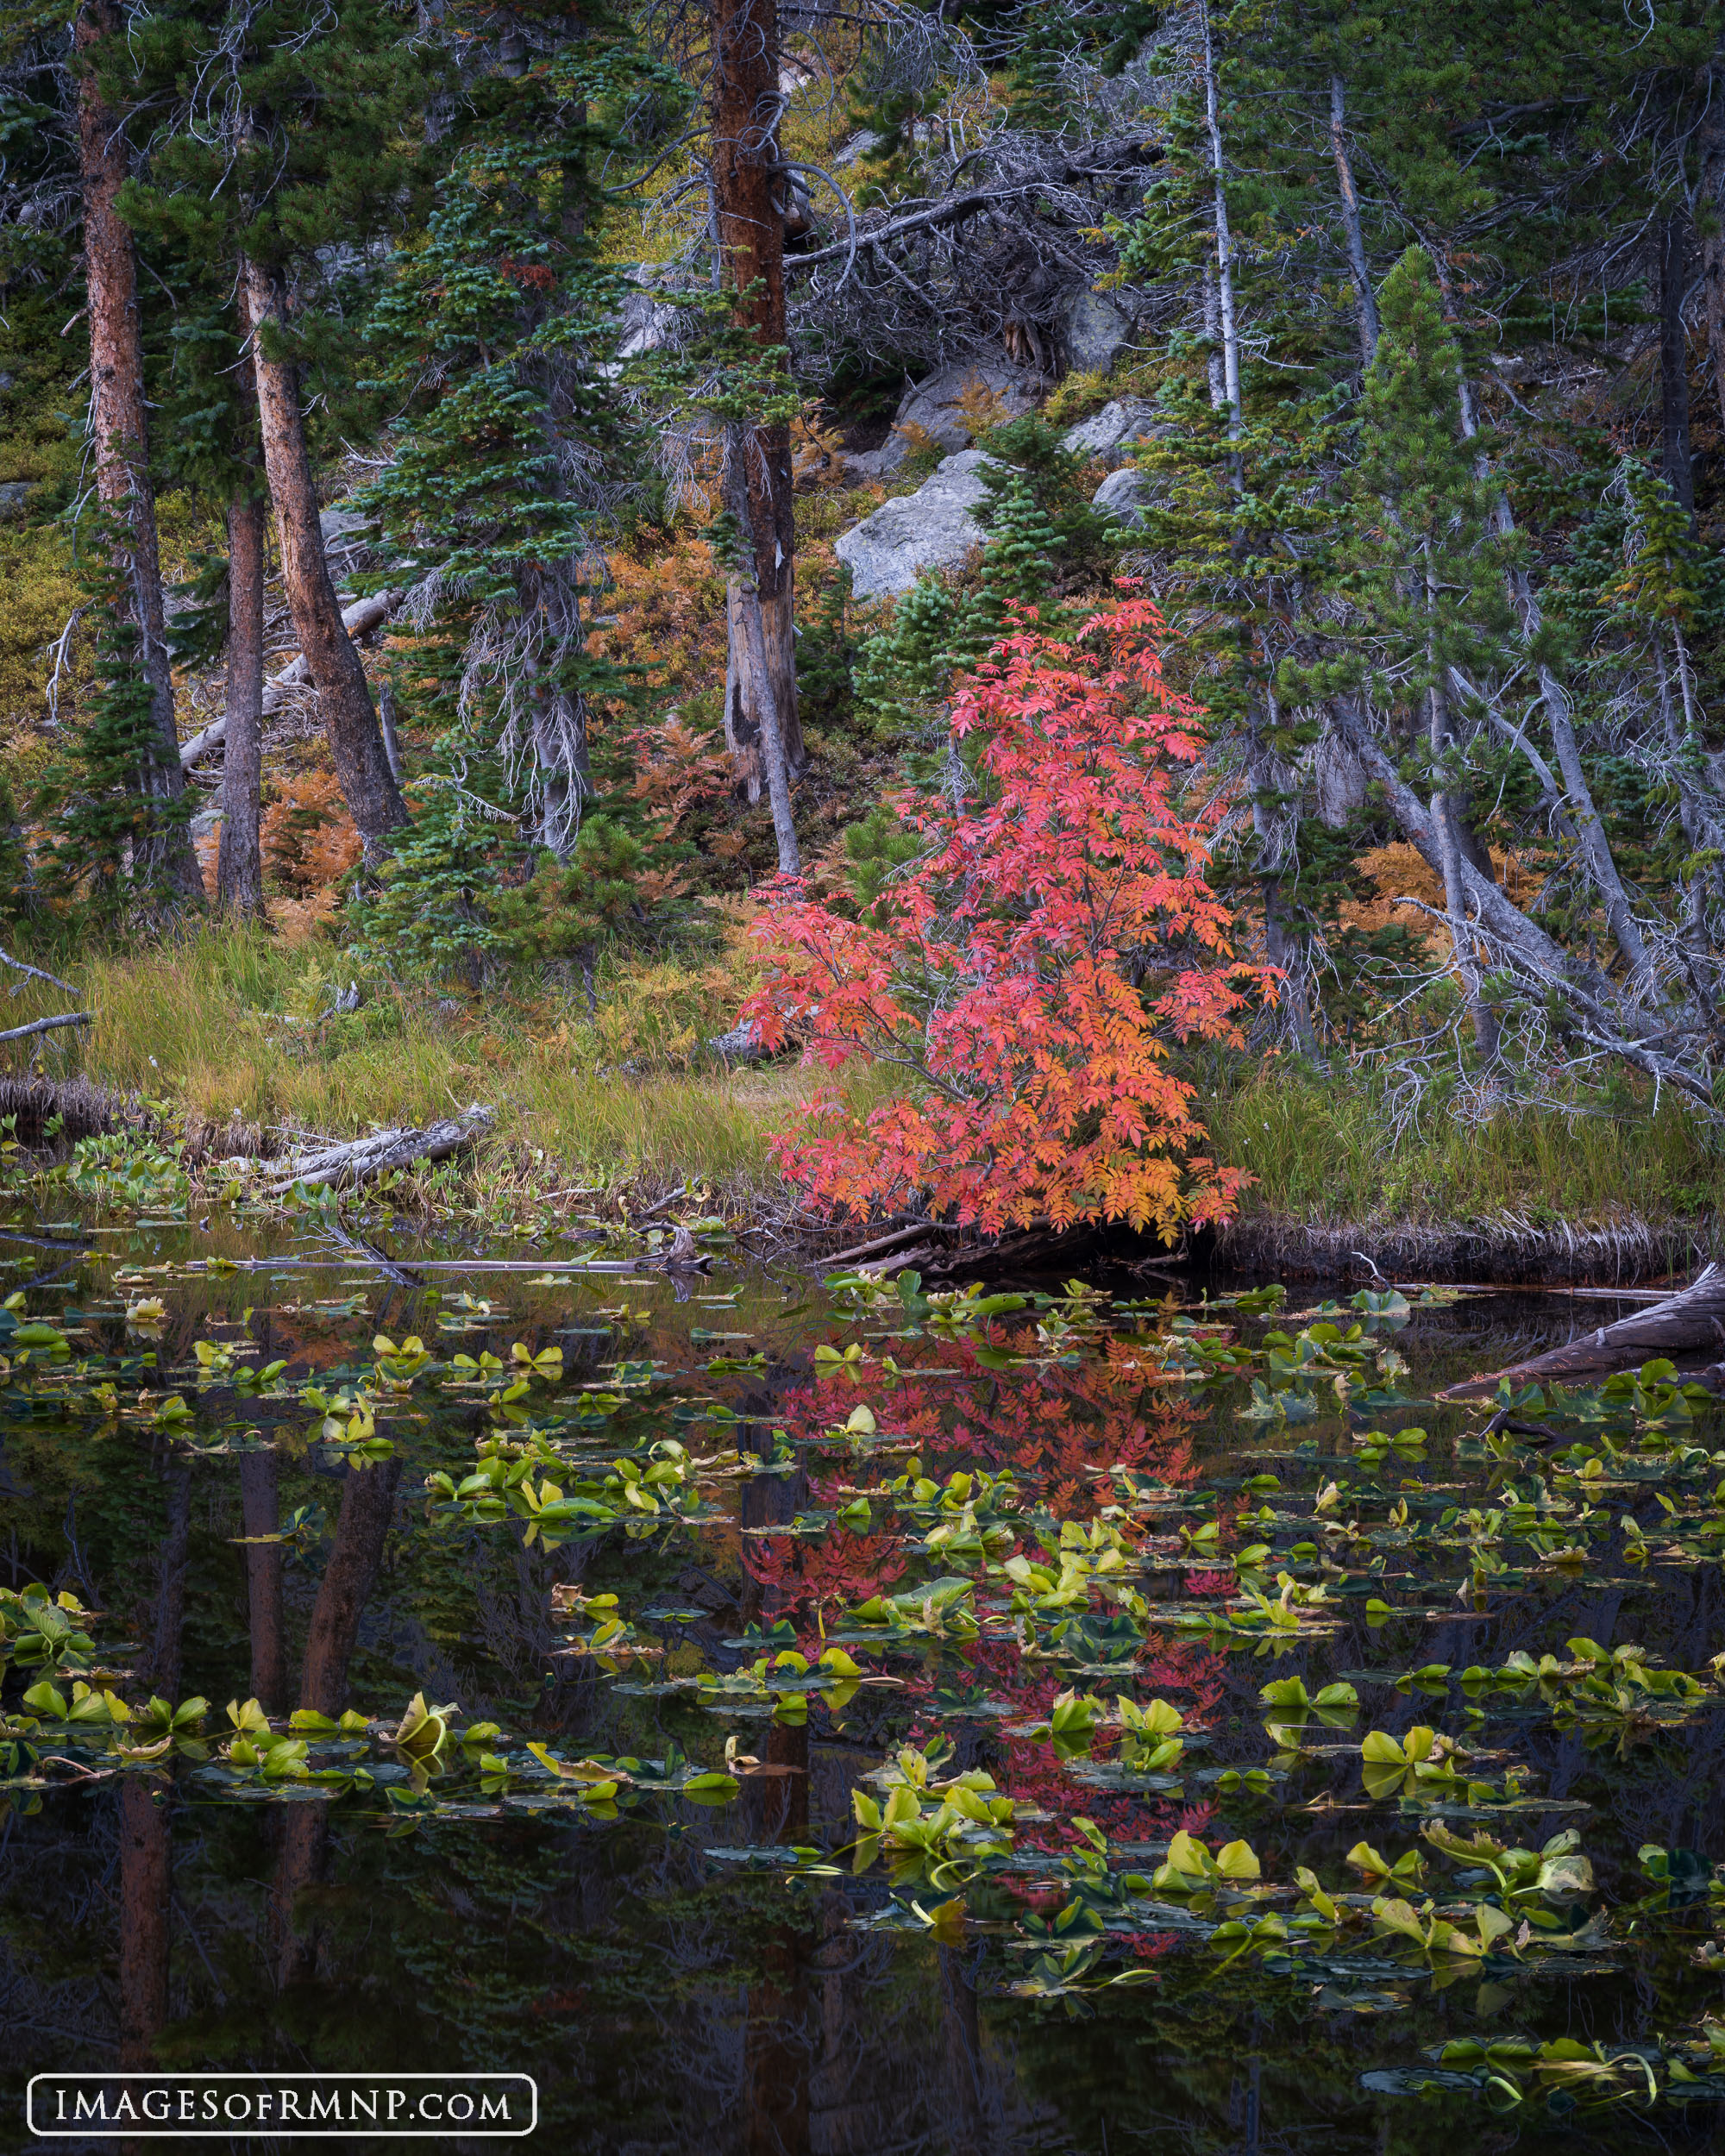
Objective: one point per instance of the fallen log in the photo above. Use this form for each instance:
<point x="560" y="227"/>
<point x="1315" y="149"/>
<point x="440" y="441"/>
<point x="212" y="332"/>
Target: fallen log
<point x="361" y="1159"/>
<point x="1687" y="1323"/>
<point x="46" y="1025"/>
<point x="358" y="619"/>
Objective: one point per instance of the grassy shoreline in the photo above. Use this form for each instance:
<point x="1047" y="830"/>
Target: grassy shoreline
<point x="231" y="1031"/>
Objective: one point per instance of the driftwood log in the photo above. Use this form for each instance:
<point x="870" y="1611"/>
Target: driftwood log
<point x="1690" y="1322"/>
<point x="357" y="1161"/>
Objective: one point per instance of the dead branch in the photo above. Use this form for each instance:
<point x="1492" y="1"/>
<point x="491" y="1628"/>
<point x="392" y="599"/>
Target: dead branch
<point x="43" y="1025"/>
<point x="1692" y="1319"/>
<point x="36" y="973"/>
<point x="358" y="619"/>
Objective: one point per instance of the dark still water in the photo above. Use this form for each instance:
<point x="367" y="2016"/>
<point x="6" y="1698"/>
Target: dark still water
<point x="786" y="1720"/>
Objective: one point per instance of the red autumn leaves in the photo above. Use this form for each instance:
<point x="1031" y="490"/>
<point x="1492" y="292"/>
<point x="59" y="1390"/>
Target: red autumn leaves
<point x="1021" y="980"/>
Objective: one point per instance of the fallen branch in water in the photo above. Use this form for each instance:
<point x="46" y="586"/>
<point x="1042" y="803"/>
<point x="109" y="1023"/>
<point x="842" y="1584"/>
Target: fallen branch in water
<point x="361" y="1159"/>
<point x="43" y="1025"/>
<point x="1692" y="1319"/>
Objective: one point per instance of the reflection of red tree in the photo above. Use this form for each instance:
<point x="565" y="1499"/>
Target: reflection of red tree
<point x="1060" y="1431"/>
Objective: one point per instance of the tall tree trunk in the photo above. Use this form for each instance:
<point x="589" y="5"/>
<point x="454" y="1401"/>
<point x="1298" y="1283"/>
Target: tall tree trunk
<point x="1365" y="298"/>
<point x="1224" y="247"/>
<point x="344" y="694"/>
<point x="1283" y="945"/>
<point x="749" y="214"/>
<point x="1444" y="822"/>
<point x="748" y="609"/>
<point x="1710" y="139"/>
<point x="1674" y="456"/>
<point x="119" y="432"/>
<point x="239" y="867"/>
<point x="239" y="864"/>
<point x="1581" y="821"/>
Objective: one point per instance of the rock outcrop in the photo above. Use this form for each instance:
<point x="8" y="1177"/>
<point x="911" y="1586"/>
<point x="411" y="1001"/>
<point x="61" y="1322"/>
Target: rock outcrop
<point x="932" y="529"/>
<point x="1111" y="433"/>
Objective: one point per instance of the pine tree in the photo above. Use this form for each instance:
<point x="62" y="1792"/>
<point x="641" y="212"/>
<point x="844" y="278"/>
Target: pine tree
<point x="1423" y="573"/>
<point x="513" y="455"/>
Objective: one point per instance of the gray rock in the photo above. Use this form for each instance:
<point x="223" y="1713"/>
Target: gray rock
<point x="934" y="405"/>
<point x="1110" y="432"/>
<point x="13" y="493"/>
<point x="648" y="321"/>
<point x="741" y="1044"/>
<point x="1126" y="494"/>
<point x="6" y="381"/>
<point x="1096" y="332"/>
<point x="205" y="821"/>
<point x="932" y="529"/>
<point x="345" y="530"/>
<point x="858" y="146"/>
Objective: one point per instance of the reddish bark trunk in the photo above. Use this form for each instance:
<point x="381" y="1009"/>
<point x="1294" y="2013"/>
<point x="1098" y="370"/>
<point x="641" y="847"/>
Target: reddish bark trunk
<point x="344" y="696"/>
<point x="119" y="431"/>
<point x="749" y="200"/>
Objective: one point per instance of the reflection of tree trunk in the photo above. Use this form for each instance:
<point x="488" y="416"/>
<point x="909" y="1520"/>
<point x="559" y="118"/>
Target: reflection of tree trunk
<point x="145" y="1901"/>
<point x="367" y="1507"/>
<point x="162" y="1673"/>
<point x="146" y="1850"/>
<point x="265" y="1563"/>
<point x="119" y="431"/>
<point x="963" y="2055"/>
<point x="776" y="2050"/>
<point x="778" y="1804"/>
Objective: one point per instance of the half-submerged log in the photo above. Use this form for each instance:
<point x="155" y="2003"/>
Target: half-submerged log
<point x="365" y="1158"/>
<point x="1690" y="1323"/>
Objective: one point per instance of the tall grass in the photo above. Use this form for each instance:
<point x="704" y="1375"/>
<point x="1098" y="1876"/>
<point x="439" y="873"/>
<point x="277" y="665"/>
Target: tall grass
<point x="232" y="1023"/>
<point x="1321" y="1149"/>
<point x="228" y="1023"/>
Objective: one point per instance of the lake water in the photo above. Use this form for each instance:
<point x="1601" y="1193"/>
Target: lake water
<point x="960" y="1885"/>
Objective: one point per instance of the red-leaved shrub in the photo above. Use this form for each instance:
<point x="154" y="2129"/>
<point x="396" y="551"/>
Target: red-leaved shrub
<point x="1028" y="971"/>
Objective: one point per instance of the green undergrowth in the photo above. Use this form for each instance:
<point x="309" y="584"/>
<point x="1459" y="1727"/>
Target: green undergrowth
<point x="1322" y="1148"/>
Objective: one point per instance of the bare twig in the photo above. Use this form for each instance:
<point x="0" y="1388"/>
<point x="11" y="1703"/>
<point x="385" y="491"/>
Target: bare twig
<point x="36" y="972"/>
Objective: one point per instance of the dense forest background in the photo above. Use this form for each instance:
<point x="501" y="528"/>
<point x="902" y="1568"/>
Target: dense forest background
<point x="433" y="443"/>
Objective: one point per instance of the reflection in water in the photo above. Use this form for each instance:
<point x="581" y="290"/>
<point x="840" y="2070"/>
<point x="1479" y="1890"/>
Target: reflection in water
<point x="661" y="1974"/>
<point x="368" y="1505"/>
